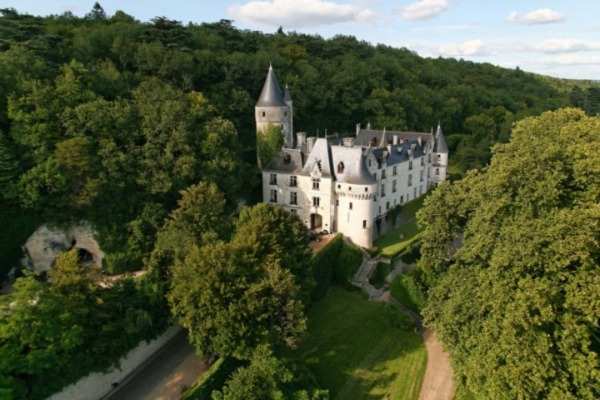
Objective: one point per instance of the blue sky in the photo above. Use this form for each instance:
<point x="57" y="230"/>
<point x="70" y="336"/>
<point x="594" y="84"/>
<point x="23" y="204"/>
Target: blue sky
<point x="554" y="37"/>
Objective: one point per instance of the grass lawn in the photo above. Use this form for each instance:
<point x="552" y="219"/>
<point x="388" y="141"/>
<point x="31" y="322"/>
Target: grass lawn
<point x="397" y="240"/>
<point x="362" y="350"/>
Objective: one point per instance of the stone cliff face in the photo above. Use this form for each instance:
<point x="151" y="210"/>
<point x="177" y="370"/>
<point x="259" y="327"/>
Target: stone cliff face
<point x="47" y="242"/>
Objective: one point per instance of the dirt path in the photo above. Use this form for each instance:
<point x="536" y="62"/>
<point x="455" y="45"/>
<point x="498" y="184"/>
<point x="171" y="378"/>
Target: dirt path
<point x="437" y="382"/>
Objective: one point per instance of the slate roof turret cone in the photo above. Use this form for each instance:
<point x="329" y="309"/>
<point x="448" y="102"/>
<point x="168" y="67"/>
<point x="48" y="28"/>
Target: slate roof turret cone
<point x="440" y="141"/>
<point x="271" y="95"/>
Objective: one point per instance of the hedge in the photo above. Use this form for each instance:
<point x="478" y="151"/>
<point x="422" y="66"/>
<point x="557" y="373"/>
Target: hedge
<point x="335" y="263"/>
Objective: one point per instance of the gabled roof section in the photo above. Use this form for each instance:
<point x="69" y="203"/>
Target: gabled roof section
<point x="271" y="95"/>
<point x="321" y="156"/>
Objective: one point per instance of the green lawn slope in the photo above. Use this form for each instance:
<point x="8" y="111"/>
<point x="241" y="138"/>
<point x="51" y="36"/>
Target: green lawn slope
<point x="363" y="350"/>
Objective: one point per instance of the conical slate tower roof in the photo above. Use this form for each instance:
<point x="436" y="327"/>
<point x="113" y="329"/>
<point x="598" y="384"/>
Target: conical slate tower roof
<point x="271" y="95"/>
<point x="440" y="141"/>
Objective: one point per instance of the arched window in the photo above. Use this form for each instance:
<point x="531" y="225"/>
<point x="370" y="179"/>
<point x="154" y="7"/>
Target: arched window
<point x="340" y="168"/>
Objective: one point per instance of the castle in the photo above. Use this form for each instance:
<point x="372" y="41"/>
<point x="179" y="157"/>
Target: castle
<point x="346" y="185"/>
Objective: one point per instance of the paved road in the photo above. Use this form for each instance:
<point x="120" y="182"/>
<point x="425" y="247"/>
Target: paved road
<point x="173" y="369"/>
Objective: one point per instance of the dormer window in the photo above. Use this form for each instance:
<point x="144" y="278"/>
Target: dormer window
<point x="340" y="168"/>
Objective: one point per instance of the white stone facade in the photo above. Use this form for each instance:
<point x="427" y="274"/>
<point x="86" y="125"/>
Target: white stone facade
<point x="349" y="185"/>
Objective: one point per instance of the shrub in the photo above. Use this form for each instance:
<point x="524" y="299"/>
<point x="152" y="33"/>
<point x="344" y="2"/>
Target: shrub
<point x="336" y="263"/>
<point x="379" y="275"/>
<point x="407" y="290"/>
<point x="323" y="265"/>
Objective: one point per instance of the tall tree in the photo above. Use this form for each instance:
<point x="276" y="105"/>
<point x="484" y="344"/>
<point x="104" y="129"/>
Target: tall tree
<point x="97" y="13"/>
<point x="513" y="252"/>
<point x="9" y="168"/>
<point x="230" y="301"/>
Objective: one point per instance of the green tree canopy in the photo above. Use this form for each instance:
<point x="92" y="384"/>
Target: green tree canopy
<point x="513" y="255"/>
<point x="230" y="301"/>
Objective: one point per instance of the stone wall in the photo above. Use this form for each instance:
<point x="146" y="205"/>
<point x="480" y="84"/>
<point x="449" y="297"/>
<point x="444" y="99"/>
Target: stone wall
<point x="47" y="242"/>
<point x="97" y="385"/>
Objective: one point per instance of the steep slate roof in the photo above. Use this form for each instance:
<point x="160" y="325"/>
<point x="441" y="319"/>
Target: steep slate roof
<point x="321" y="154"/>
<point x="365" y="136"/>
<point x="271" y="95"/>
<point x="355" y="171"/>
<point x="440" y="141"/>
<point x="287" y="160"/>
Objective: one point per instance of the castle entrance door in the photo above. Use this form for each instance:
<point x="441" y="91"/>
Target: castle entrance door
<point x="316" y="222"/>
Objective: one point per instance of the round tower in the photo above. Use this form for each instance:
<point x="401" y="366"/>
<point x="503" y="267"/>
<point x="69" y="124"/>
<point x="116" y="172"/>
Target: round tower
<point x="272" y="110"/>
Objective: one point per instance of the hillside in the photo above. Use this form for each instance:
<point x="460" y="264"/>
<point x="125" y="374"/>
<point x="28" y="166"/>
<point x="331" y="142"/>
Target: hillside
<point x="105" y="107"/>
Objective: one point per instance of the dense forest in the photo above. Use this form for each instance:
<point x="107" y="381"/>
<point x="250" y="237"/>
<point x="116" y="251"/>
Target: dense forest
<point x="106" y="107"/>
<point x="146" y="130"/>
<point x="512" y="257"/>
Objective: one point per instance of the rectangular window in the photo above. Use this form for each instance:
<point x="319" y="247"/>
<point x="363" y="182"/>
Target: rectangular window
<point x="383" y="174"/>
<point x="273" y="180"/>
<point x="293" y="181"/>
<point x="437" y="171"/>
<point x="401" y="199"/>
<point x="409" y="165"/>
<point x="350" y="205"/>
<point x="387" y="205"/>
<point x="394" y="171"/>
<point x="421" y="176"/>
<point x="394" y="186"/>
<point x="316" y="183"/>
<point x="273" y="196"/>
<point x="429" y="158"/>
<point x="294" y="198"/>
<point x="428" y="172"/>
<point x="382" y="190"/>
<point x="409" y="180"/>
<point x="414" y="193"/>
<point x="316" y="202"/>
<point x="364" y="224"/>
<point x="422" y="161"/>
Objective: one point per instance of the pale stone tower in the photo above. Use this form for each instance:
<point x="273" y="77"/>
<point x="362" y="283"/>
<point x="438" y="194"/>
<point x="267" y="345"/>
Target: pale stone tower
<point x="273" y="110"/>
<point x="440" y="154"/>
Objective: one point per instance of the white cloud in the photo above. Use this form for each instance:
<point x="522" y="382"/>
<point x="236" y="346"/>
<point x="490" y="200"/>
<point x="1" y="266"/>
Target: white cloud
<point x="541" y="16"/>
<point x="574" y="60"/>
<point x="470" y="48"/>
<point x="424" y="9"/>
<point x="299" y="13"/>
<point x="566" y="46"/>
